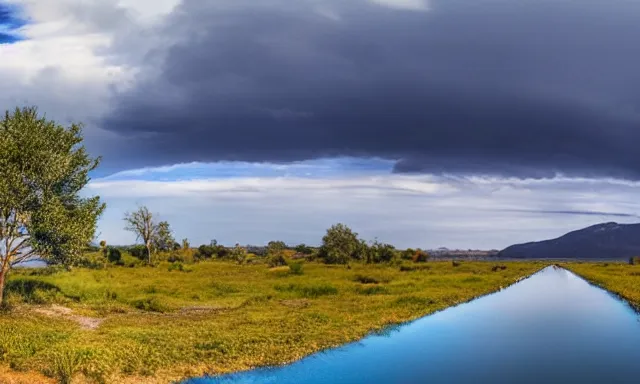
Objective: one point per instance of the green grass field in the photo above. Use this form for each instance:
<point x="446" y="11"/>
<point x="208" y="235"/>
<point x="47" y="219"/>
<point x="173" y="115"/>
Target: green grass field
<point x="620" y="278"/>
<point x="153" y="325"/>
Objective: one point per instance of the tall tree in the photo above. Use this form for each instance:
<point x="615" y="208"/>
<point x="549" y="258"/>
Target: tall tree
<point x="43" y="167"/>
<point x="141" y="222"/>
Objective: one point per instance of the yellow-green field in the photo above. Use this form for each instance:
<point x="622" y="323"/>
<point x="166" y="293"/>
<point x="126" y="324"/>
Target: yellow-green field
<point x="620" y="278"/>
<point x="154" y="325"/>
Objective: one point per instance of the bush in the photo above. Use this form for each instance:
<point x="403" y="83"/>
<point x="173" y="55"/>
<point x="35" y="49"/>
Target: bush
<point x="139" y="252"/>
<point x="339" y="245"/>
<point x="150" y="305"/>
<point x="420" y="256"/>
<point x="304" y="249"/>
<point x="408" y="254"/>
<point x="366" y="279"/>
<point x="114" y="255"/>
<point x="276" y="261"/>
<point x="176" y="267"/>
<point x="296" y="268"/>
<point x="239" y="254"/>
<point x="497" y="268"/>
<point x="372" y="290"/>
<point x="382" y="253"/>
<point x="456" y="263"/>
<point x="634" y="260"/>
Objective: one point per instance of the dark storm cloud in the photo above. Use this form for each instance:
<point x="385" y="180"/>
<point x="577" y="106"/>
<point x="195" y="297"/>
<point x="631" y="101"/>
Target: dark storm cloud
<point x="525" y="88"/>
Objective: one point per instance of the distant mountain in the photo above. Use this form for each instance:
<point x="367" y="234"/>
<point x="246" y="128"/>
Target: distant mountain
<point x="602" y="241"/>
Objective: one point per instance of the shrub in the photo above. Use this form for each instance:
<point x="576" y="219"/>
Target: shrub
<point x="372" y="290"/>
<point x="239" y="254"/>
<point x="498" y="268"/>
<point x="304" y="249"/>
<point x="277" y="260"/>
<point x="382" y="253"/>
<point x="407" y="254"/>
<point x="176" y="267"/>
<point x="634" y="260"/>
<point x="114" y="255"/>
<point x="275" y="253"/>
<point x="339" y="245"/>
<point x="296" y="268"/>
<point x="366" y="279"/>
<point x="139" y="252"/>
<point x="150" y="305"/>
<point x="456" y="263"/>
<point x="420" y="256"/>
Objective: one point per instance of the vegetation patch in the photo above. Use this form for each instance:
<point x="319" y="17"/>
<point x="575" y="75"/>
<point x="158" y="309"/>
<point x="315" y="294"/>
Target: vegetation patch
<point x="413" y="301"/>
<point x="150" y="304"/>
<point x="309" y="291"/>
<point x="412" y="268"/>
<point x="372" y="290"/>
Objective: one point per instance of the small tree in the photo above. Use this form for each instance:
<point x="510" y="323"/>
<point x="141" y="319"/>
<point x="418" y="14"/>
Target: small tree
<point x="339" y="244"/>
<point x="163" y="240"/>
<point x="239" y="254"/>
<point x="43" y="167"/>
<point x="275" y="253"/>
<point x="142" y="223"/>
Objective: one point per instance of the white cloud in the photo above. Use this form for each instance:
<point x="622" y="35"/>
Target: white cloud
<point x="415" y="211"/>
<point x="65" y="64"/>
<point x="413" y="5"/>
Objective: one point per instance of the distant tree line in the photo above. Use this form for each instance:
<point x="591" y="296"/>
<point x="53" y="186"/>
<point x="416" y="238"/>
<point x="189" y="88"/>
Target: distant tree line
<point x="340" y="245"/>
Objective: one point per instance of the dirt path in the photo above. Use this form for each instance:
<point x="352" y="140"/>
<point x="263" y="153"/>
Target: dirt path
<point x="85" y="322"/>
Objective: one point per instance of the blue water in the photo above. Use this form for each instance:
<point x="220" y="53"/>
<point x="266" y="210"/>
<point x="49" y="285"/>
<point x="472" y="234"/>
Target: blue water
<point x="551" y="328"/>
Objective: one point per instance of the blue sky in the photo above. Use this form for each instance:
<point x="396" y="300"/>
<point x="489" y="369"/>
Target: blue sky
<point x="466" y="124"/>
<point x="10" y="23"/>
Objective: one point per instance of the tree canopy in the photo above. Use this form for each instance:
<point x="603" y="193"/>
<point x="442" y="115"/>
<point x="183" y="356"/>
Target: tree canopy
<point x="43" y="168"/>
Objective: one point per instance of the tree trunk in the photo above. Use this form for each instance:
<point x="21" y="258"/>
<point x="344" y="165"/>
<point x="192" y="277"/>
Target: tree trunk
<point x="149" y="253"/>
<point x="3" y="276"/>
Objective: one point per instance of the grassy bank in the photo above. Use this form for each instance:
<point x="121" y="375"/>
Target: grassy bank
<point x="620" y="278"/>
<point x="160" y="324"/>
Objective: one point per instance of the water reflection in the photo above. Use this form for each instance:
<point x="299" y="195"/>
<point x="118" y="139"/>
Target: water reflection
<point x="551" y="328"/>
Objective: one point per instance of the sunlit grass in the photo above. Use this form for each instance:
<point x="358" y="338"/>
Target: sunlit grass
<point x="214" y="317"/>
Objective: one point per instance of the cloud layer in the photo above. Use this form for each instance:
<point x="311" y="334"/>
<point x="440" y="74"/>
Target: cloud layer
<point x="525" y="88"/>
<point x="406" y="210"/>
